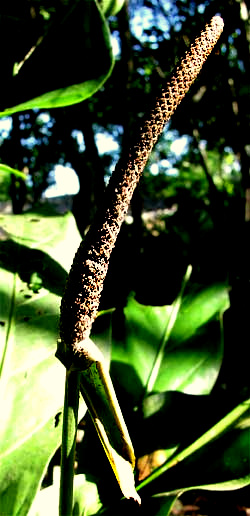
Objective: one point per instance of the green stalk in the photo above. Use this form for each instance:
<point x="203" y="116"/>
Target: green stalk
<point x="70" y="421"/>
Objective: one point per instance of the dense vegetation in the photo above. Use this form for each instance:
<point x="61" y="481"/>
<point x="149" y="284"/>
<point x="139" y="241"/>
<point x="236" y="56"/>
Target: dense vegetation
<point x="65" y="100"/>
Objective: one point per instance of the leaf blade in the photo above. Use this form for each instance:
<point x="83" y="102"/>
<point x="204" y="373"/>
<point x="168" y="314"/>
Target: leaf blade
<point x="32" y="379"/>
<point x="69" y="63"/>
<point x="210" y="444"/>
<point x="193" y="355"/>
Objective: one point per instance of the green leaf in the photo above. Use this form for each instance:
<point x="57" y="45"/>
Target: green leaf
<point x="37" y="242"/>
<point x="23" y="466"/>
<point x="32" y="380"/>
<point x="168" y="330"/>
<point x="69" y="63"/>
<point x="160" y="505"/>
<point x="219" y="459"/>
<point x="193" y="353"/>
<point x="111" y="7"/>
<point x="10" y="170"/>
<point x="159" y="408"/>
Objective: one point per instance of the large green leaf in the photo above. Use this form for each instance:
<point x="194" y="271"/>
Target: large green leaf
<point x="35" y="253"/>
<point x="65" y="65"/>
<point x="23" y="466"/>
<point x="193" y="354"/>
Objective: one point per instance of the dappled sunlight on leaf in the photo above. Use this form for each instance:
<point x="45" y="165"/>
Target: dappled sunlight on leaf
<point x="32" y="380"/>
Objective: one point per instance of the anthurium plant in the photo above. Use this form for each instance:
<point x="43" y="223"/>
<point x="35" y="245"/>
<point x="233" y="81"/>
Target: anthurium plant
<point x="165" y="362"/>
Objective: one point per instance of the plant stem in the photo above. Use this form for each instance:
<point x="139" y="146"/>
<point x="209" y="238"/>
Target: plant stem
<point x="70" y="421"/>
